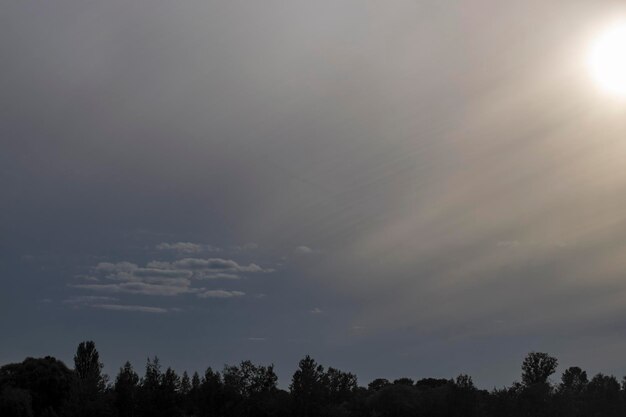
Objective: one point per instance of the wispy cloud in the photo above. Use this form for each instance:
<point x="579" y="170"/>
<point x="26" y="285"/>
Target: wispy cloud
<point x="220" y="275"/>
<point x="163" y="278"/>
<point x="161" y="273"/>
<point x="109" y="303"/>
<point x="115" y="267"/>
<point x="216" y="264"/>
<point x="221" y="294"/>
<point x="245" y="247"/>
<point x="121" y="307"/>
<point x="144" y="288"/>
<point x="186" y="247"/>
<point x="303" y="250"/>
<point x="88" y="299"/>
<point x="316" y="310"/>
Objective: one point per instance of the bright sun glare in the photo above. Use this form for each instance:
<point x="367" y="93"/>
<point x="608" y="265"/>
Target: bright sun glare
<point x="607" y="60"/>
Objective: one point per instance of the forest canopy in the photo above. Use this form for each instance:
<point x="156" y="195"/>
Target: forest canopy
<point x="46" y="387"/>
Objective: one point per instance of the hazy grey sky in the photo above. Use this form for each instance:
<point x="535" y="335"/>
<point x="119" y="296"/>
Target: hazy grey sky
<point x="398" y="188"/>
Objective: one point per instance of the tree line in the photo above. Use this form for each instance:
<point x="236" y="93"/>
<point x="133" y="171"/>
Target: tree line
<point x="46" y="387"/>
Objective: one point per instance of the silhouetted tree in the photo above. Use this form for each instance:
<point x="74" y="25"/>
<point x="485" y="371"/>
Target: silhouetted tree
<point x="339" y="385"/>
<point x="378" y="384"/>
<point x="15" y="402"/>
<point x="537" y="368"/>
<point x="210" y="396"/>
<point x="47" y="388"/>
<point x="404" y="381"/>
<point x="185" y="384"/>
<point x="574" y="380"/>
<point x="88" y="391"/>
<point x="307" y="387"/>
<point x="252" y="384"/>
<point x="394" y="400"/>
<point x="47" y="380"/>
<point x="603" y="396"/>
<point x="339" y="389"/>
<point x="149" y="392"/>
<point x="169" y="394"/>
<point x="504" y="402"/>
<point x="195" y="381"/>
<point x="569" y="396"/>
<point x="88" y="367"/>
<point x="534" y="399"/>
<point x="152" y="379"/>
<point x="125" y="388"/>
<point x="193" y="398"/>
<point x="248" y="379"/>
<point x="430" y="383"/>
<point x="463" y="397"/>
<point x="185" y="391"/>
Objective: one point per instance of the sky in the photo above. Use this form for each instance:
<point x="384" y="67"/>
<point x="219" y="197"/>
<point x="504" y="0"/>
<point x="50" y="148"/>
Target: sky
<point x="399" y="188"/>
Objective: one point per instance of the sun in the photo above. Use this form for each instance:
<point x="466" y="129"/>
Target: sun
<point x="607" y="60"/>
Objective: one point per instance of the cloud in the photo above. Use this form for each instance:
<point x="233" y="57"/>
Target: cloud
<point x="219" y="275"/>
<point x="221" y="294"/>
<point x="316" y="311"/>
<point x="121" y="307"/>
<point x="216" y="264"/>
<point x="115" y="267"/>
<point x="169" y="288"/>
<point x="161" y="278"/>
<point x="89" y="278"/>
<point x="159" y="265"/>
<point x="109" y="303"/>
<point x="247" y="246"/>
<point x="186" y="247"/>
<point x="88" y="299"/>
<point x="257" y="339"/>
<point x="165" y="273"/>
<point x="303" y="250"/>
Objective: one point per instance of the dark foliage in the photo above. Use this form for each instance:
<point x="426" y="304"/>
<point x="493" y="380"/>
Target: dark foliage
<point x="45" y="387"/>
<point x="46" y="382"/>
